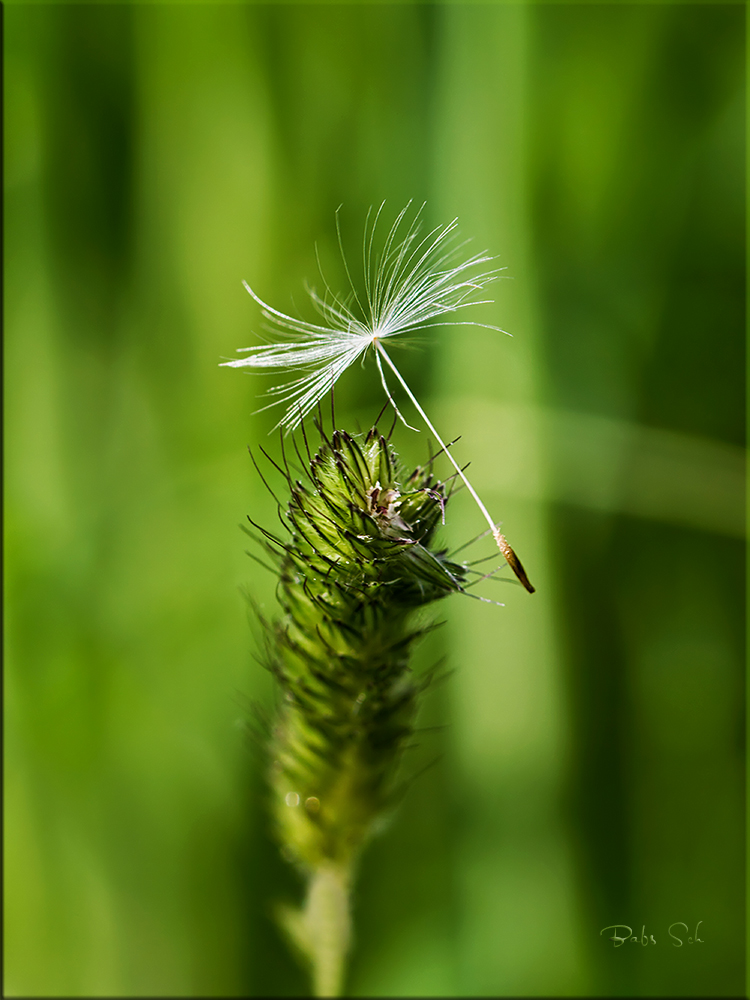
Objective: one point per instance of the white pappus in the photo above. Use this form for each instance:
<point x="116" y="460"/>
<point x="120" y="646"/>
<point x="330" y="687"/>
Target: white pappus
<point x="413" y="283"/>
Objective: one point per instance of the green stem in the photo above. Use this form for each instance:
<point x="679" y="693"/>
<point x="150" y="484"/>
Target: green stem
<point x="322" y="930"/>
<point x="327" y="912"/>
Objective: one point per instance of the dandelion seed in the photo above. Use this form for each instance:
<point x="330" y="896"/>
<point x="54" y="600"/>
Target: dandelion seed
<point x="413" y="283"/>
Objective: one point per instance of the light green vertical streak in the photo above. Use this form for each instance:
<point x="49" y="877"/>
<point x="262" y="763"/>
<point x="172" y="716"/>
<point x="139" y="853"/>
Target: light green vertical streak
<point x="128" y="638"/>
<point x="202" y="183"/>
<point x="519" y="910"/>
<point x="44" y="858"/>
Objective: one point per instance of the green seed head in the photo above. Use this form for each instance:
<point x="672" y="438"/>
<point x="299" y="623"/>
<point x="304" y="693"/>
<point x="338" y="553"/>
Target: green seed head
<point x="359" y="564"/>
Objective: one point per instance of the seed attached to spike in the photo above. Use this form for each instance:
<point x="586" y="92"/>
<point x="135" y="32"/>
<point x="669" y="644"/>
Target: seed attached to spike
<point x="411" y="284"/>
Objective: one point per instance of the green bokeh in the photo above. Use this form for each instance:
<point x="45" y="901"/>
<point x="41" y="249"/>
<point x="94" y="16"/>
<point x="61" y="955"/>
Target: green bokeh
<point x="590" y="771"/>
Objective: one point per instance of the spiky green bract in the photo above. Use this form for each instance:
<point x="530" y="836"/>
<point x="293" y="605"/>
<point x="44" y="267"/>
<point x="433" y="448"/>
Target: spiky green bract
<point x="360" y="564"/>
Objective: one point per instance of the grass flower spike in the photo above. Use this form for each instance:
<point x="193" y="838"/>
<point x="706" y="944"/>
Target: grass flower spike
<point x="357" y="572"/>
<point x="413" y="283"/>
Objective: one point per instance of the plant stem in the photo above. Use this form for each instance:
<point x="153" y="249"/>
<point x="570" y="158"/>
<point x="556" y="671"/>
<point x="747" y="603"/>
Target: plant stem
<point x="328" y="919"/>
<point x="322" y="929"/>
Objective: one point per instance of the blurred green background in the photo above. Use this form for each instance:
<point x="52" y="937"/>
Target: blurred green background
<point x="590" y="771"/>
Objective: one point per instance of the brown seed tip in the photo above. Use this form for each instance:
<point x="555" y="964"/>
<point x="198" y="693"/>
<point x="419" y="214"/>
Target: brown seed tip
<point x="512" y="560"/>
